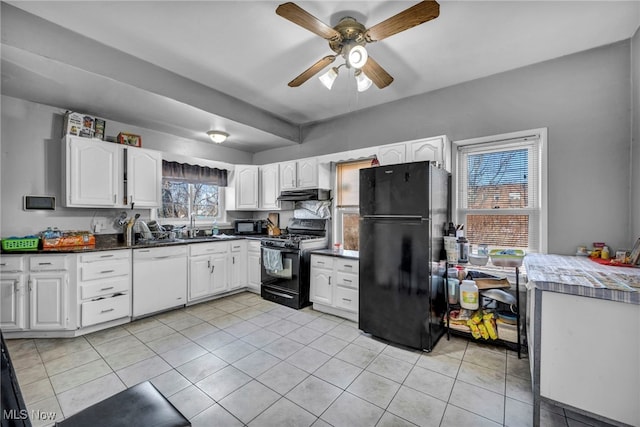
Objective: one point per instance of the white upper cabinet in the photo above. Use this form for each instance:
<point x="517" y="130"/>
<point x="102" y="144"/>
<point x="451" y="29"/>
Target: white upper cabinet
<point x="301" y="173"/>
<point x="92" y="175"/>
<point x="308" y="173"/>
<point x="391" y="154"/>
<point x="144" y="178"/>
<point x="269" y="186"/>
<point x="430" y="149"/>
<point x="288" y="175"/>
<point x="246" y="187"/>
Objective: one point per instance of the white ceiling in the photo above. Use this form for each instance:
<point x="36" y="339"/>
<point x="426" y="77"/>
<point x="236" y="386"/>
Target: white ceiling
<point x="244" y="50"/>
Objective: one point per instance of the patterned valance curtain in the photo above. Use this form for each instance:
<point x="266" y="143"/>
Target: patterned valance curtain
<point x="194" y="173"/>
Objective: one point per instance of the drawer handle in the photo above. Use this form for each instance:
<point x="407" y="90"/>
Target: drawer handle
<point x="106" y="289"/>
<point x="106" y="271"/>
<point x="3" y="264"/>
<point x="348" y="266"/>
<point x="107" y="310"/>
<point x="346" y="299"/>
<point x="320" y="262"/>
<point x="106" y="256"/>
<point x="347" y="280"/>
<point x="44" y="263"/>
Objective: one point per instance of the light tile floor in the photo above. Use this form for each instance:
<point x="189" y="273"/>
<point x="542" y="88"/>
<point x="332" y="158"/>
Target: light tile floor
<point x="241" y="360"/>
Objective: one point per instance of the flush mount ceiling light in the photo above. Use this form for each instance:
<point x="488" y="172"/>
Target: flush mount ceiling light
<point x="218" y="136"/>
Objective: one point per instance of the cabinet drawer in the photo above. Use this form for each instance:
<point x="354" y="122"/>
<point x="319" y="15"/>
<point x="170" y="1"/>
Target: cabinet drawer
<point x="321" y="262"/>
<point x="347" y="280"/>
<point x="237" y="246"/>
<point x="11" y="263"/>
<point x="347" y="265"/>
<point x="105" y="309"/>
<point x="208" y="248"/>
<point x="105" y="256"/>
<point x="104" y="287"/>
<point x="48" y="263"/>
<point x="346" y="299"/>
<point x="101" y="270"/>
<point x="253" y="246"/>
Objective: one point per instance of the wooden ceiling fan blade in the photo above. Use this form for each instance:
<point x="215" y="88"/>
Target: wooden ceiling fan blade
<point x="312" y="71"/>
<point x="297" y="15"/>
<point x="409" y="18"/>
<point x="376" y="73"/>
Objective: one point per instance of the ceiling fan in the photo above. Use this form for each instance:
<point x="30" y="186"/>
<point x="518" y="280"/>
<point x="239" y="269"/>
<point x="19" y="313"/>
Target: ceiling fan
<point x="348" y="39"/>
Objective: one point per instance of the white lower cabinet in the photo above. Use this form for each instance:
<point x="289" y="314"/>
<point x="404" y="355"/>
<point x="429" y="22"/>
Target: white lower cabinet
<point x="237" y="260"/>
<point x="50" y="295"/>
<point x="159" y="279"/>
<point x="12" y="293"/>
<point x="207" y="269"/>
<point x="104" y="284"/>
<point x="254" y="266"/>
<point x="334" y="285"/>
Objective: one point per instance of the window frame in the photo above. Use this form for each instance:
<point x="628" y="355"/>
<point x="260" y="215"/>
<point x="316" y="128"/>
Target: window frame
<point x="503" y="141"/>
<point x="221" y="220"/>
<point x="340" y="211"/>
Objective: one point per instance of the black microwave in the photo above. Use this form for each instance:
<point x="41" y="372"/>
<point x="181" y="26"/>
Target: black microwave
<point x="248" y="226"/>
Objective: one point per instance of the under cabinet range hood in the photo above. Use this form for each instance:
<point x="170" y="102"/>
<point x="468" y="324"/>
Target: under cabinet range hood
<point x="308" y="194"/>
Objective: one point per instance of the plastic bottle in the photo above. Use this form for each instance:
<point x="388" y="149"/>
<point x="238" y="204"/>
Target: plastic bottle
<point x="454" y="289"/>
<point x="469" y="295"/>
<point x="605" y="252"/>
<point x="462" y="247"/>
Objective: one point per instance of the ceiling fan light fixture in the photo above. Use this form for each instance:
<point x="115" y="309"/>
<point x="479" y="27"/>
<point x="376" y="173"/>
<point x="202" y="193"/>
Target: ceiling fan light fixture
<point x="329" y="77"/>
<point x="362" y="81"/>
<point x="218" y="136"/>
<point x="357" y="57"/>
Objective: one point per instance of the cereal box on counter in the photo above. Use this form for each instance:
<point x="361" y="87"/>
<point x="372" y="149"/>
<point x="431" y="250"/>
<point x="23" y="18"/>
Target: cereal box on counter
<point x="83" y="125"/>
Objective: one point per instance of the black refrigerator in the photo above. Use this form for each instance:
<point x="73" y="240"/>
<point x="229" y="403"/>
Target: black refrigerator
<point x="403" y="210"/>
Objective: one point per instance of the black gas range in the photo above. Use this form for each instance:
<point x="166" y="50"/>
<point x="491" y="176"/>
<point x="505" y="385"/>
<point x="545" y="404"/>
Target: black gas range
<point x="285" y="262"/>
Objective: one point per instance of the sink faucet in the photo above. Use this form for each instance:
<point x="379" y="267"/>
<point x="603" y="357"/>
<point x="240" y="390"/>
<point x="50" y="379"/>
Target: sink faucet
<point x="192" y="225"/>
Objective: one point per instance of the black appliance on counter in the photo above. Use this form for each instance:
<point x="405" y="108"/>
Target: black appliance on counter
<point x="248" y="226"/>
<point x="290" y="285"/>
<point x="403" y="209"/>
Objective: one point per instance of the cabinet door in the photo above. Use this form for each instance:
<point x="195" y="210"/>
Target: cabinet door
<point x="200" y="277"/>
<point x="246" y="183"/>
<point x="253" y="271"/>
<point x="321" y="286"/>
<point x="238" y="270"/>
<point x="426" y="150"/>
<point x="269" y="186"/>
<point x="391" y="154"/>
<point x="219" y="272"/>
<point x="93" y="173"/>
<point x="288" y="175"/>
<point x="48" y="308"/>
<point x="11" y="302"/>
<point x="144" y="178"/>
<point x="308" y="173"/>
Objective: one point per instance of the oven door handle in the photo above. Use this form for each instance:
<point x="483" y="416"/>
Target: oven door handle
<point x="286" y="251"/>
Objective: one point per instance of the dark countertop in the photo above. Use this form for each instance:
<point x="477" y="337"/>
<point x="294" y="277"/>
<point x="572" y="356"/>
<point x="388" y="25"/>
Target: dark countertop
<point x="341" y="254"/>
<point x="110" y="242"/>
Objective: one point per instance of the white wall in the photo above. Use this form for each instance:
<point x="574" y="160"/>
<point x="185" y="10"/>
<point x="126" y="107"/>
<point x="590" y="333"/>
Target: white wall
<point x="583" y="99"/>
<point x="635" y="148"/>
<point x="31" y="163"/>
